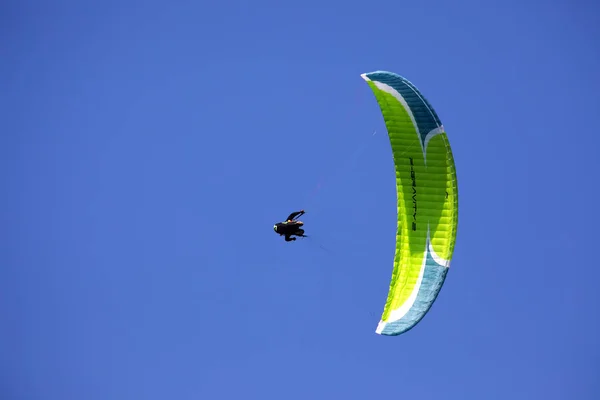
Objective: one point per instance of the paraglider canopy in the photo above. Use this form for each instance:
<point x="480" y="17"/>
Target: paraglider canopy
<point x="427" y="198"/>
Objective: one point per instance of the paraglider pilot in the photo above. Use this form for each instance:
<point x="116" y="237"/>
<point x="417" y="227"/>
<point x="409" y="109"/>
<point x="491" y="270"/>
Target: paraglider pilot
<point x="291" y="227"/>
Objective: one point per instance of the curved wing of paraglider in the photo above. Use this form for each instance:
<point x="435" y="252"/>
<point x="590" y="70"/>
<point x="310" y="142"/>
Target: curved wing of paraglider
<point x="427" y="197"/>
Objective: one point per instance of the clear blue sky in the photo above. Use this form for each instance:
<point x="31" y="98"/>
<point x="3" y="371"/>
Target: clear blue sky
<point x="148" y="147"/>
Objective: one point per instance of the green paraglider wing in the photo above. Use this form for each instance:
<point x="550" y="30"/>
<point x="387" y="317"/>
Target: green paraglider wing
<point x="427" y="198"/>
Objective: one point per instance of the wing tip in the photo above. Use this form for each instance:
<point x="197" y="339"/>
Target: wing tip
<point x="380" y="327"/>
